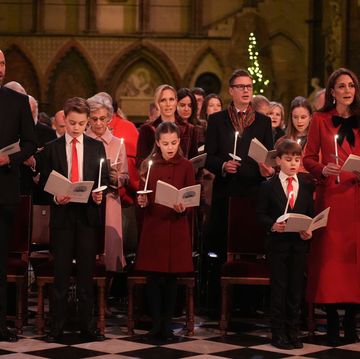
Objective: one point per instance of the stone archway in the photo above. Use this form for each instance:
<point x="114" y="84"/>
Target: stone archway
<point x="71" y="76"/>
<point x="133" y="78"/>
<point x="20" y="69"/>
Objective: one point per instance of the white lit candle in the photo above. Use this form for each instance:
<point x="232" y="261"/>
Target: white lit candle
<point x="336" y="156"/>
<point x="118" y="152"/>
<point x="235" y="142"/>
<point x="147" y="175"/>
<point x="100" y="167"/>
<point x="336" y="149"/>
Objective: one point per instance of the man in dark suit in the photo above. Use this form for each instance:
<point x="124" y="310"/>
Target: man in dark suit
<point x="286" y="251"/>
<point x="30" y="168"/>
<point x="234" y="177"/>
<point x="16" y="124"/>
<point x="75" y="227"/>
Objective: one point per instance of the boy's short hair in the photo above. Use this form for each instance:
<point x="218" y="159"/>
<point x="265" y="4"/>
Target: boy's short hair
<point x="76" y="104"/>
<point x="288" y="147"/>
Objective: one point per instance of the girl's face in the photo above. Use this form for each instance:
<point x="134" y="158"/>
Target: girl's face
<point x="214" y="105"/>
<point x="275" y="115"/>
<point x="169" y="145"/>
<point x="301" y="118"/>
<point x="344" y="90"/>
<point x="167" y="104"/>
<point x="99" y="120"/>
<point x="184" y="108"/>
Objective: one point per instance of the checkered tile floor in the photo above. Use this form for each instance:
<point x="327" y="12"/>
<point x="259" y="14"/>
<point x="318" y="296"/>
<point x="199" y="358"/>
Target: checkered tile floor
<point x="247" y="340"/>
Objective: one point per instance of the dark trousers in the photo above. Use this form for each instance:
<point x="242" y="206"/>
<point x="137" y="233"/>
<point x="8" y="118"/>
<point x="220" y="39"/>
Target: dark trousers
<point x="287" y="266"/>
<point x="161" y="291"/>
<point x="349" y="320"/>
<point x="7" y="214"/>
<point x="76" y="240"/>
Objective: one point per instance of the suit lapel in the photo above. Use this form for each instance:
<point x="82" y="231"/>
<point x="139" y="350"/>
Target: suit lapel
<point x="279" y="192"/>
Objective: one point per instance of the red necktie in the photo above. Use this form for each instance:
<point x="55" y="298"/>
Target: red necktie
<point x="74" y="162"/>
<point x="290" y="188"/>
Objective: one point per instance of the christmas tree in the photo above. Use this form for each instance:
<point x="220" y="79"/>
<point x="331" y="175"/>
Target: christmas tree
<point x="254" y="69"/>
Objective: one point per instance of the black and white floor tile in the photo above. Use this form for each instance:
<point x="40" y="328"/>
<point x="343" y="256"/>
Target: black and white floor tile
<point x="248" y="339"/>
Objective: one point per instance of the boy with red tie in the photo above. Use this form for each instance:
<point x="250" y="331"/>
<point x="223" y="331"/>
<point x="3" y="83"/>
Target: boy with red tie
<point x="74" y="227"/>
<point x="286" y="251"/>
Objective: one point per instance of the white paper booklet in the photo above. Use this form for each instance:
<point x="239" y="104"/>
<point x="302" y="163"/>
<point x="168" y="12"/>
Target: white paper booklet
<point x="11" y="149"/>
<point x="296" y="222"/>
<point x="168" y="195"/>
<point x="199" y="161"/>
<point x="260" y="153"/>
<point x="351" y="164"/>
<point x="57" y="184"/>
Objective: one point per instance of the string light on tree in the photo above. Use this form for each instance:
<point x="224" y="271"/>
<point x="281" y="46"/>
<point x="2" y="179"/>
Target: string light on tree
<point x="254" y="68"/>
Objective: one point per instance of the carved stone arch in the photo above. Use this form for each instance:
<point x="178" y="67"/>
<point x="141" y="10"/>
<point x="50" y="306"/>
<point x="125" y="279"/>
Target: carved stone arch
<point x="135" y="74"/>
<point x="195" y="70"/>
<point x="20" y="68"/>
<point x="70" y="76"/>
<point x="288" y="37"/>
<point x="289" y="68"/>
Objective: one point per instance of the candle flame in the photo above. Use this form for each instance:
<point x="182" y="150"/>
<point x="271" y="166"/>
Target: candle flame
<point x="101" y="161"/>
<point x="150" y="163"/>
<point x="336" y="137"/>
<point x="298" y="141"/>
<point x="121" y="141"/>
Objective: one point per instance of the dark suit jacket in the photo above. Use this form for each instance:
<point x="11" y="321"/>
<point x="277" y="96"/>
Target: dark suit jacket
<point x="219" y="143"/>
<point x="272" y="202"/>
<point x="55" y="159"/>
<point x="16" y="123"/>
<point x="43" y="134"/>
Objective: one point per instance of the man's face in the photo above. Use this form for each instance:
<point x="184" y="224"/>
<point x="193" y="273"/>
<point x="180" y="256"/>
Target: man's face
<point x="2" y="67"/>
<point x="59" y="122"/>
<point x="241" y="91"/>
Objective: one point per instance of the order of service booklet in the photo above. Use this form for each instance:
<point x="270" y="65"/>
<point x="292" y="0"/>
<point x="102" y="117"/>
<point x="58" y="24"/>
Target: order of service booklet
<point x="259" y="153"/>
<point x="168" y="195"/>
<point x="199" y="161"/>
<point x="10" y="149"/>
<point x="57" y="184"/>
<point x="296" y="222"/>
<point x="351" y="164"/>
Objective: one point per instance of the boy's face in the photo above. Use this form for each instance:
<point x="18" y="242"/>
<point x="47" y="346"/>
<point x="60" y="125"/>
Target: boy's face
<point x="75" y="123"/>
<point x="289" y="164"/>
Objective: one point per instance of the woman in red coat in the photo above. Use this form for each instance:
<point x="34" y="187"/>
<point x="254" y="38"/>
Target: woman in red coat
<point x="334" y="259"/>
<point x="165" y="244"/>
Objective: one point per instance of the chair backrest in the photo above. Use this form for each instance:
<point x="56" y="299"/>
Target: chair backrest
<point x="40" y="225"/>
<point x="245" y="234"/>
<point x="20" y="242"/>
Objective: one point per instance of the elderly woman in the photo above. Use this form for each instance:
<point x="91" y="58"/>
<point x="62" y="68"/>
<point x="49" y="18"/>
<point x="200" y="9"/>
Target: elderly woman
<point x="101" y="111"/>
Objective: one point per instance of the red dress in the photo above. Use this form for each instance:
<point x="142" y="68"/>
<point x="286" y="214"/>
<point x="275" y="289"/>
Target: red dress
<point x="165" y="241"/>
<point x="334" y="259"/>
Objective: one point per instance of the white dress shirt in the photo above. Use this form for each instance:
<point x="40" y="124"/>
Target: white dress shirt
<point x="295" y="183"/>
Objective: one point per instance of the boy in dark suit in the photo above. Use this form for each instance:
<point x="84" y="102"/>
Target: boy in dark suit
<point x="74" y="227"/>
<point x="286" y="251"/>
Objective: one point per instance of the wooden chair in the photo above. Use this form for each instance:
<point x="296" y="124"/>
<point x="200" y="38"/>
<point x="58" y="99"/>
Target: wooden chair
<point x="45" y="275"/>
<point x="18" y="259"/>
<point x="246" y="264"/>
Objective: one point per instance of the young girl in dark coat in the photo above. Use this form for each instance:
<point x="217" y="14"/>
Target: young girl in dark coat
<point x="165" y="247"/>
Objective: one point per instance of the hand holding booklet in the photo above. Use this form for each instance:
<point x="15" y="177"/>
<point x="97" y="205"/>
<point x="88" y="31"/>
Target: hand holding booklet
<point x="259" y="153"/>
<point x="59" y="185"/>
<point x="168" y="195"/>
<point x="351" y="164"/>
<point x="296" y="222"/>
<point x="10" y="149"/>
